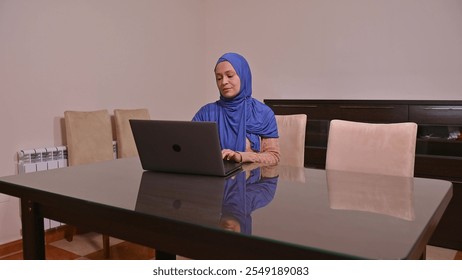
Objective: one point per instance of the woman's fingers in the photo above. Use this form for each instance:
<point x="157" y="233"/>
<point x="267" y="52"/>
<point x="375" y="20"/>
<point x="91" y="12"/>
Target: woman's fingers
<point x="228" y="154"/>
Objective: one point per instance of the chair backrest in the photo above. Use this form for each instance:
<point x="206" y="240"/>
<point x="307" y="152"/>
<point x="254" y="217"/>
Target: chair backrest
<point x="88" y="136"/>
<point x="292" y="130"/>
<point x="126" y="146"/>
<point x="387" y="149"/>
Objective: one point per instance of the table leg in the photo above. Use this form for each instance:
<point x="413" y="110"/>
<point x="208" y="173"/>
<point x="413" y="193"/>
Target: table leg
<point x="424" y="254"/>
<point x="33" y="237"/>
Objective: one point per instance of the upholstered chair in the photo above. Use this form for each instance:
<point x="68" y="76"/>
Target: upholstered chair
<point x="292" y="129"/>
<point x="387" y="149"/>
<point x="125" y="142"/>
<point x="89" y="140"/>
<point x="88" y="136"/>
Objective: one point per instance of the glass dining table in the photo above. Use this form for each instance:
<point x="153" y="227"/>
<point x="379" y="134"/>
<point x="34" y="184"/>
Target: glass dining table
<point x="259" y="212"/>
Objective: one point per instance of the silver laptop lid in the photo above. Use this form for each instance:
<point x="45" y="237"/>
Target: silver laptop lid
<point x="180" y="147"/>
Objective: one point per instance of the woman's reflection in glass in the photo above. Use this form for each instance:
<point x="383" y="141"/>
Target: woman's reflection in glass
<point x="245" y="193"/>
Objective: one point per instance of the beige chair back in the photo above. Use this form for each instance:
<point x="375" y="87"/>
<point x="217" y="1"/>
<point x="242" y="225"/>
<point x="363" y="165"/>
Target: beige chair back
<point x="126" y="146"/>
<point x="387" y="149"/>
<point x="88" y="136"/>
<point x="292" y="130"/>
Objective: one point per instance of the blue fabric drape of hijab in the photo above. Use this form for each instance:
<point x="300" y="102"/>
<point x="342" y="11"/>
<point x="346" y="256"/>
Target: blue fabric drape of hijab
<point x="241" y="116"/>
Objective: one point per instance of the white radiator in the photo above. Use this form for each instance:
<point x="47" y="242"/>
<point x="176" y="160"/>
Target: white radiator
<point x="39" y="159"/>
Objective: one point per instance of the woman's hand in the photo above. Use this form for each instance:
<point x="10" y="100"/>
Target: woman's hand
<point x="228" y="154"/>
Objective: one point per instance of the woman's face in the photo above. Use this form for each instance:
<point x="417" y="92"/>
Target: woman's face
<point x="230" y="223"/>
<point x="228" y="82"/>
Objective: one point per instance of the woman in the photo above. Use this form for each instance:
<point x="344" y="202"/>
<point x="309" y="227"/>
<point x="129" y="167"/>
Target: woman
<point x="247" y="127"/>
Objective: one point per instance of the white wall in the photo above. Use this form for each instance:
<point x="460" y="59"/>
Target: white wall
<point x="58" y="55"/>
<point x="343" y="49"/>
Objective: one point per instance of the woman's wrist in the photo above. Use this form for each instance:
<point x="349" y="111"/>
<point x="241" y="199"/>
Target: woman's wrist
<point x="239" y="157"/>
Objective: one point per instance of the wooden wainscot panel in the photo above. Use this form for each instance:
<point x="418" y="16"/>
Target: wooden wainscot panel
<point x="430" y="114"/>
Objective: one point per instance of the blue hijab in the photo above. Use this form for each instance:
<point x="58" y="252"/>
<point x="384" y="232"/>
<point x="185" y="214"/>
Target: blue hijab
<point x="240" y="117"/>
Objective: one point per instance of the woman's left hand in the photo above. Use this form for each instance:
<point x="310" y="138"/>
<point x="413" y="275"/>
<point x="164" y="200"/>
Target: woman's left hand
<point x="228" y="154"/>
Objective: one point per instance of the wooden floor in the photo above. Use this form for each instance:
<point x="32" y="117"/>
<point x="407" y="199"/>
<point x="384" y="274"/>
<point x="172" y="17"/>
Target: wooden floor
<point x="89" y="246"/>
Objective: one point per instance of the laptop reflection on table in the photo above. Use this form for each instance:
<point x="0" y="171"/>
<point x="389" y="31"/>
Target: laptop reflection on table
<point x="188" y="198"/>
<point x="206" y="200"/>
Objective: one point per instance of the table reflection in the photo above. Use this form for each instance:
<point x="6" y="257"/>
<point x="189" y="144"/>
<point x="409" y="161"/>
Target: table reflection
<point x="388" y="195"/>
<point x="294" y="174"/>
<point x="208" y="200"/>
<point x="244" y="193"/>
<point x="182" y="197"/>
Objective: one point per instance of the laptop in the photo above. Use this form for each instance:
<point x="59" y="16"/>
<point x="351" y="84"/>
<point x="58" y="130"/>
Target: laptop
<point x="181" y="147"/>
